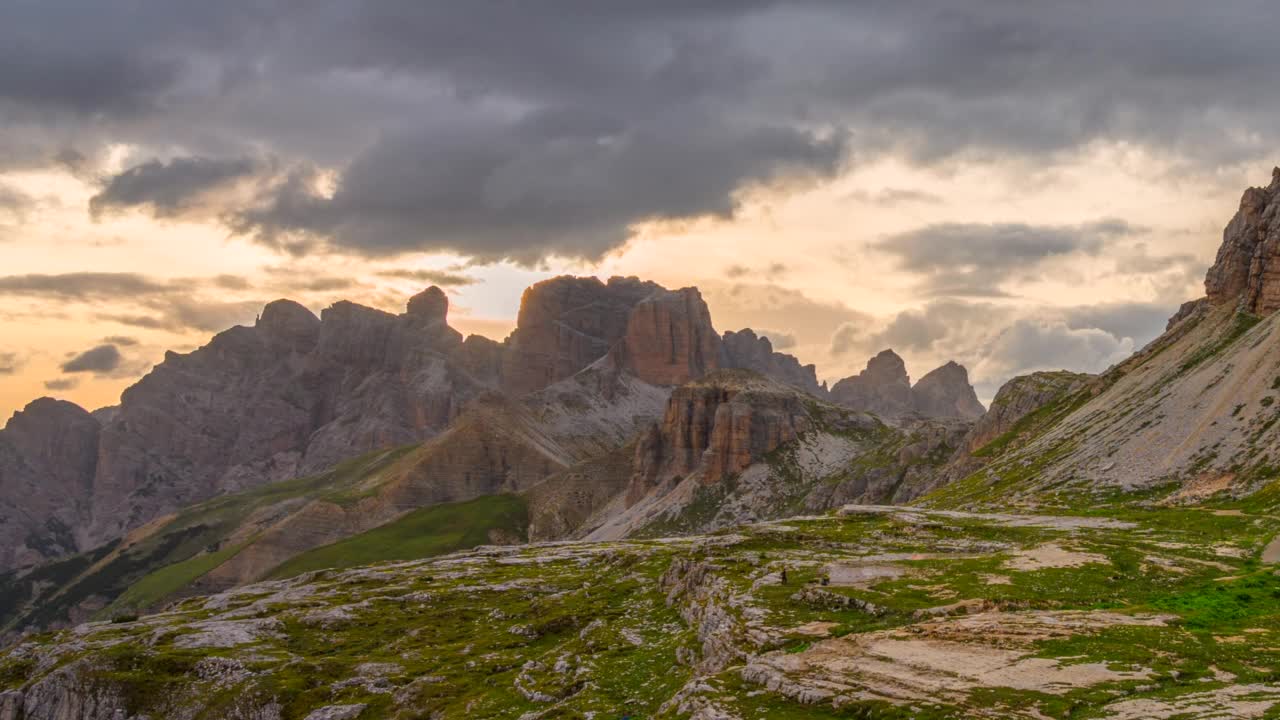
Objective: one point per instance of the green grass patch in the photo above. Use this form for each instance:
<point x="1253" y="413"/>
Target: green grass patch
<point x="422" y="533"/>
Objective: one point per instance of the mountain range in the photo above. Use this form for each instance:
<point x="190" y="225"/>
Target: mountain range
<point x="616" y="416"/>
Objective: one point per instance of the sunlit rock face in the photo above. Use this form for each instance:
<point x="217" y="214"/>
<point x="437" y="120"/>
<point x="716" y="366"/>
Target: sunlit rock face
<point x="669" y="339"/>
<point x="1247" y="268"/>
<point x="565" y="324"/>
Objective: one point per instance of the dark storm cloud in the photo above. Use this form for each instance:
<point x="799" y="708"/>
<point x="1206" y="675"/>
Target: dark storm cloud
<point x="170" y="189"/>
<point x="447" y="130"/>
<point x="972" y="259"/>
<point x="99" y="360"/>
<point x="497" y="192"/>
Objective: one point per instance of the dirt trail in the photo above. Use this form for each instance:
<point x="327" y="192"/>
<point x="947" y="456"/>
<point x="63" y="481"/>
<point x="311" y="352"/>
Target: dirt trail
<point x="1271" y="553"/>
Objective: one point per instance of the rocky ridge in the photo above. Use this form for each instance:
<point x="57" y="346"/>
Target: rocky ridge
<point x="1191" y="415"/>
<point x="884" y="388"/>
<point x="744" y="349"/>
<point x="295" y="394"/>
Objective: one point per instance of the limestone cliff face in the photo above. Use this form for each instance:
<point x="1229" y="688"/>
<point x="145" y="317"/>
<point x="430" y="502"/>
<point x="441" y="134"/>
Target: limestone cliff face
<point x="884" y="389"/>
<point x="48" y="452"/>
<point x="669" y="339"/>
<point x="293" y="394"/>
<point x="716" y="427"/>
<point x="498" y="445"/>
<point x="1247" y="268"/>
<point x="744" y="349"/>
<point x="565" y="324"/>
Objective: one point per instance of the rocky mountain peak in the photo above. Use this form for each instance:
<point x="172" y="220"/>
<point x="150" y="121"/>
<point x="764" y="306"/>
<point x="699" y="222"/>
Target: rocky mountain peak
<point x="566" y="323"/>
<point x="946" y="392"/>
<point x="289" y="323"/>
<point x="669" y="338"/>
<point x="429" y="307"/>
<point x="48" y="452"/>
<point x="42" y="415"/>
<point x="887" y="367"/>
<point x="1247" y="267"/>
<point x="744" y="349"/>
<point x="883" y="388"/>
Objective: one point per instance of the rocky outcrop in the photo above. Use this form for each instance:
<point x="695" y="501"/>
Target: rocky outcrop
<point x="744" y="349"/>
<point x="69" y="693"/>
<point x="48" y="453"/>
<point x="1020" y="397"/>
<point x="565" y="324"/>
<point x="1247" y="268"/>
<point x="946" y="392"/>
<point x="669" y="339"/>
<point x="716" y="427"/>
<point x="883" y="388"/>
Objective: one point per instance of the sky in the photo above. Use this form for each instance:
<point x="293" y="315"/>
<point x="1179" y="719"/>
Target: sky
<point x="1016" y="186"/>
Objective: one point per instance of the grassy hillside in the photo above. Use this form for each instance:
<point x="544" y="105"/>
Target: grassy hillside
<point x="423" y="533"/>
<point x="158" y="559"/>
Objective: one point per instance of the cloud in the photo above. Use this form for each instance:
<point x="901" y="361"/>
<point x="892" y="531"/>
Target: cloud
<point x="973" y="259"/>
<point x="807" y="321"/>
<point x="482" y="189"/>
<point x="10" y="363"/>
<point x="177" y="314"/>
<point x="82" y="285"/>
<point x="69" y="383"/>
<point x="428" y="125"/>
<point x="14" y="202"/>
<point x="893" y="197"/>
<point x="442" y="278"/>
<point x="997" y="341"/>
<point x="99" y="360"/>
<point x="769" y="272"/>
<point x="170" y="189"/>
<point x="147" y="302"/>
<point x="1141" y="322"/>
<point x="1030" y="345"/>
<point x="121" y="340"/>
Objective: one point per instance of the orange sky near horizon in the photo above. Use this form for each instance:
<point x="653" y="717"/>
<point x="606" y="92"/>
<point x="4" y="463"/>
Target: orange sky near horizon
<point x="816" y="244"/>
